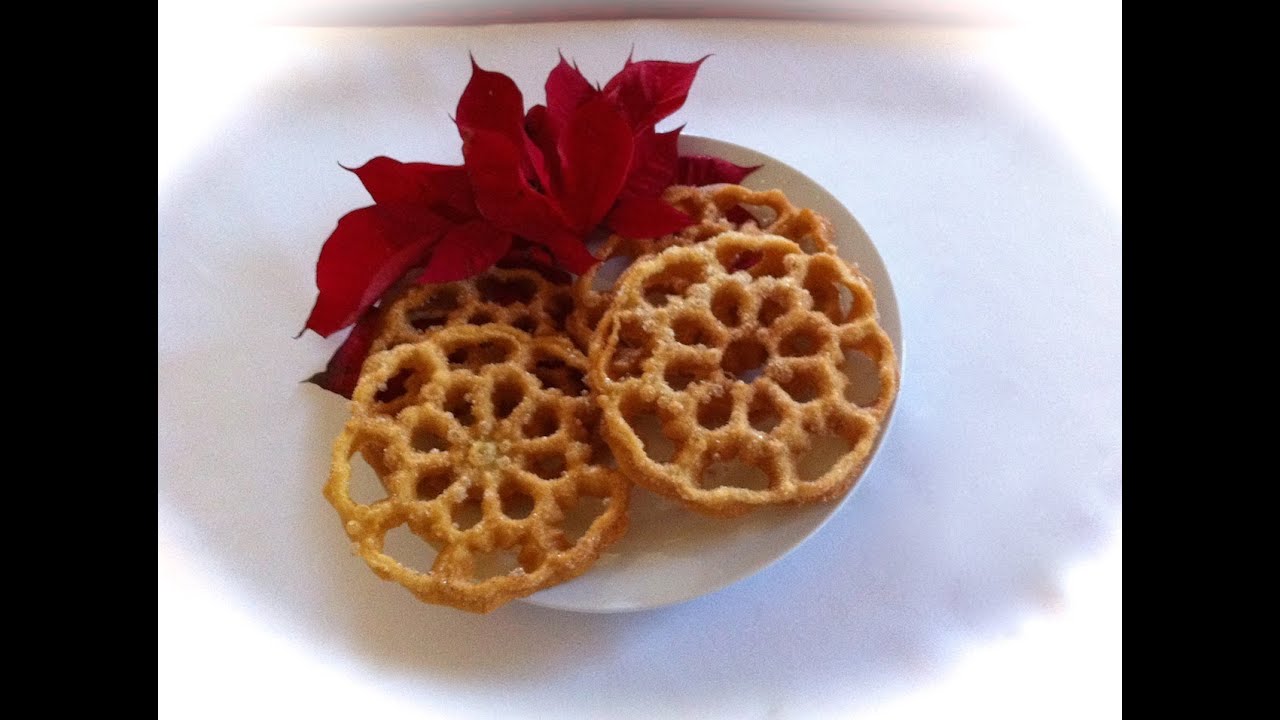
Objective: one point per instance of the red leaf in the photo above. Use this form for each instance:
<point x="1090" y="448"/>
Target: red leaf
<point x="540" y="146"/>
<point x="567" y="90"/>
<point x="653" y="163"/>
<point x="646" y="217"/>
<point x="707" y="170"/>
<point x="491" y="101"/>
<point x="570" y="253"/>
<point x="595" y="154"/>
<point x="465" y="251"/>
<point x="648" y="91"/>
<point x="342" y="372"/>
<point x="505" y="198"/>
<point x="406" y="189"/>
<point x="503" y="193"/>
<point x="363" y="257"/>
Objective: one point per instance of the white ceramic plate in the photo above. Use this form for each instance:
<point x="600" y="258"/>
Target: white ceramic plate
<point x="669" y="554"/>
<point x="244" y="448"/>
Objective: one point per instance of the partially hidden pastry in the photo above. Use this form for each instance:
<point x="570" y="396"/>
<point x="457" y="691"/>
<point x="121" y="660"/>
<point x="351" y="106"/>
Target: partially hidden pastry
<point x="741" y="372"/>
<point x="486" y="443"/>
<point x="520" y="298"/>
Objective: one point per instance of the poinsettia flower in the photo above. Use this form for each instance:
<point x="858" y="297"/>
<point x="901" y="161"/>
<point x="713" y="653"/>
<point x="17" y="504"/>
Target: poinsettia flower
<point x="640" y="96"/>
<point x="586" y="158"/>
<point x="502" y="162"/>
<point x="644" y="93"/>
<point x="577" y="153"/>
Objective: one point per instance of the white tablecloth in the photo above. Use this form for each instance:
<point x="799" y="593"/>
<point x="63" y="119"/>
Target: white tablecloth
<point x="976" y="574"/>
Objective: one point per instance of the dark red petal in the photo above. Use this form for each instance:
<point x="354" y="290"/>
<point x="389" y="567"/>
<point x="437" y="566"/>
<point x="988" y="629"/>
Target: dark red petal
<point x="503" y="194"/>
<point x="646" y="217"/>
<point x="707" y="170"/>
<point x="450" y="194"/>
<point x="653" y="162"/>
<point x="650" y="90"/>
<point x="491" y="101"/>
<point x="570" y="253"/>
<point x="407" y="189"/>
<point x="342" y="372"/>
<point x="595" y="154"/>
<point x="364" y="256"/>
<point x="540" y="147"/>
<point x="567" y="89"/>
<point x="465" y="251"/>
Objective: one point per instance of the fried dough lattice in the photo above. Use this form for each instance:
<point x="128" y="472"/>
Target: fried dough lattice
<point x="741" y="372"/>
<point x="715" y="209"/>
<point x="516" y="297"/>
<point x="486" y="444"/>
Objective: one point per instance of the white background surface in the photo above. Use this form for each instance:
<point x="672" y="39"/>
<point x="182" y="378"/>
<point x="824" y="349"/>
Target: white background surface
<point x="977" y="572"/>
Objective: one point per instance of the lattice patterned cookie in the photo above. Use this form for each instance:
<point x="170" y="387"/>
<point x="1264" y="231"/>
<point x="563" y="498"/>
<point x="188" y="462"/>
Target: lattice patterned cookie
<point x="741" y="372"/>
<point x="487" y="445"/>
<point x="520" y="298"/>
<point x="715" y="209"/>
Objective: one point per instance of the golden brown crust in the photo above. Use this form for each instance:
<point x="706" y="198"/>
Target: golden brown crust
<point x="741" y="372"/>
<point x="485" y="441"/>
<point x="515" y="297"/>
<point x="715" y="209"/>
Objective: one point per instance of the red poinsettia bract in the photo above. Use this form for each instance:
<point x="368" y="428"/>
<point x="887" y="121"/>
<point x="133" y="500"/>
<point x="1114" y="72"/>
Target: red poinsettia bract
<point x="532" y="187"/>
